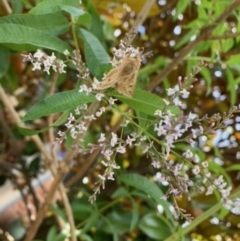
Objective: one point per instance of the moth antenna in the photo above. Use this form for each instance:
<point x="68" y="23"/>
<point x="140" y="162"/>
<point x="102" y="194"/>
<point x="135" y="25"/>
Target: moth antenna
<point x="147" y="55"/>
<point x="129" y="37"/>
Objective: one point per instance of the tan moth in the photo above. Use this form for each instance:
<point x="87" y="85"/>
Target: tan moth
<point x="124" y="77"/>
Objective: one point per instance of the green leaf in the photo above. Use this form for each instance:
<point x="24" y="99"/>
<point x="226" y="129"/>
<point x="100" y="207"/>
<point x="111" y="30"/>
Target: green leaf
<point x="4" y="61"/>
<point x="207" y="77"/>
<point x="92" y="220"/>
<point x="116" y="222"/>
<point x="215" y="168"/>
<point x="231" y="86"/>
<point x="235" y="167"/>
<point x="16" y="6"/>
<point x="83" y="17"/>
<point x="145" y="102"/>
<point x="121" y="192"/>
<point x="51" y="6"/>
<point x="155" y="227"/>
<point x="96" y="56"/>
<point x="81" y="211"/>
<point x="186" y="38"/>
<point x="181" y="6"/>
<point x="97" y="26"/>
<point x="29" y="132"/>
<point x="142" y="118"/>
<point x="18" y="35"/>
<point x="150" y="188"/>
<point x="59" y="102"/>
<point x="53" y="23"/>
<point x="135" y="216"/>
<point x="51" y="233"/>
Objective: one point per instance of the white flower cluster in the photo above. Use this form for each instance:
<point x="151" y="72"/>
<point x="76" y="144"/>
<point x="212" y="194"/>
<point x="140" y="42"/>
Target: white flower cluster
<point x="40" y="59"/>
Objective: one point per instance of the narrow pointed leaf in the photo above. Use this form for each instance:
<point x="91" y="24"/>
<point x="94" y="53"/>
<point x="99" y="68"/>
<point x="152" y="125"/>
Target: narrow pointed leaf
<point x="145" y="102"/>
<point x="51" y="6"/>
<point x="96" y="56"/>
<point x="53" y="23"/>
<point x="16" y="34"/>
<point x="59" y="102"/>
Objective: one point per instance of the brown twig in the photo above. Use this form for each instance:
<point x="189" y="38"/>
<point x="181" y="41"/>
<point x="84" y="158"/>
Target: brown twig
<point x="7" y="6"/>
<point x="43" y="209"/>
<point x="142" y="15"/>
<point x="222" y="37"/>
<point x="186" y="50"/>
<point x="61" y="188"/>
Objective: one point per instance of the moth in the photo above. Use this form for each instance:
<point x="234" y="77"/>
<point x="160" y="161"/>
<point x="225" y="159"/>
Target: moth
<point x="123" y="77"/>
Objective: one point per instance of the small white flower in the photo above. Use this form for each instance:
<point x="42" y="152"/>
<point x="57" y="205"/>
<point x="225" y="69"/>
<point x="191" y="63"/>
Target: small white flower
<point x="38" y="55"/>
<point x="62" y="134"/>
<point x="194" y="133"/>
<point x="121" y="149"/>
<point x="156" y="164"/>
<point x="83" y="107"/>
<point x="204" y="164"/>
<point x="110" y="176"/>
<point x="228" y="204"/>
<point x="192" y="143"/>
<point x="71" y="117"/>
<point x="89" y="117"/>
<point x="108" y="154"/>
<point x="143" y="138"/>
<point x="77" y="111"/>
<point x="36" y="65"/>
<point x="112" y="101"/>
<point x="225" y="192"/>
<point x="66" y="52"/>
<point x="95" y="83"/>
<point x="69" y="125"/>
<point x="99" y="96"/>
<point x="177" y="102"/>
<point x="184" y="93"/>
<point x="130" y="140"/>
<point x="158" y="113"/>
<point x="170" y="91"/>
<point x="52" y="58"/>
<point x="102" y="177"/>
<point x="160" y="129"/>
<point x="73" y="133"/>
<point x="218" y="181"/>
<point x="81" y="127"/>
<point x="209" y="190"/>
<point x="102" y="138"/>
<point x="104" y="163"/>
<point x="236" y="207"/>
<point x="166" y="102"/>
<point x="114" y="139"/>
<point x="196" y="159"/>
<point x="191" y="116"/>
<point x="196" y="170"/>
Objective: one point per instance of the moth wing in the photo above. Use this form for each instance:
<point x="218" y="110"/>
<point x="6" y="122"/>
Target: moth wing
<point x="110" y="79"/>
<point x="126" y="85"/>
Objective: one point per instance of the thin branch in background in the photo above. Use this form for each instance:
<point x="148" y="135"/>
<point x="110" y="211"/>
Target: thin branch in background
<point x="43" y="209"/>
<point x="61" y="188"/>
<point x="142" y="15"/>
<point x="223" y="37"/>
<point x="6" y="6"/>
<point x="204" y="33"/>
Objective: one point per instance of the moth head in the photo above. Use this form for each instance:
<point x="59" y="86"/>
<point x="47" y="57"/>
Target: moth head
<point x="135" y="53"/>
